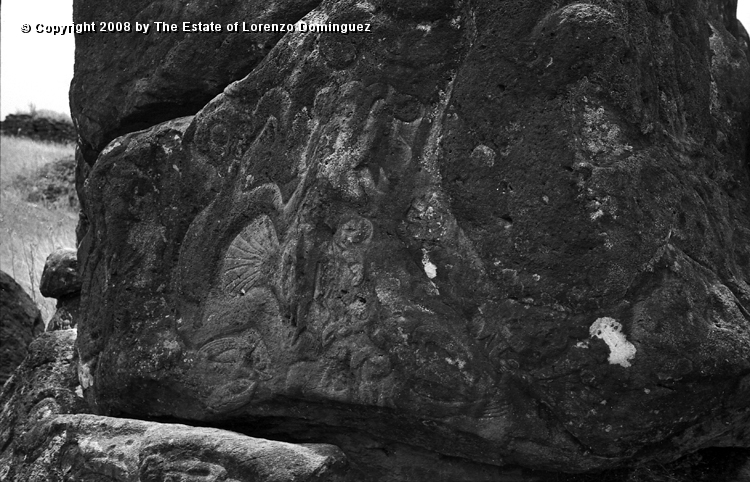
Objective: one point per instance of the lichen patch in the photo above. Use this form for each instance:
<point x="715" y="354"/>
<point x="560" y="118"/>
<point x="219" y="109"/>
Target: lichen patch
<point x="429" y="268"/>
<point x="621" y="351"/>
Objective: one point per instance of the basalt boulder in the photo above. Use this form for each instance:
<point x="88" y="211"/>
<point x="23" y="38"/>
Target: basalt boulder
<point x="129" y="78"/>
<point x="61" y="280"/>
<point x="20" y="322"/>
<point x="501" y="232"/>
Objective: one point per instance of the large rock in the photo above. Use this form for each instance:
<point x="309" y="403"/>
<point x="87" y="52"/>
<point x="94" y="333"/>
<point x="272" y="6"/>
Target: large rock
<point x="104" y="449"/>
<point x="127" y="80"/>
<point x="44" y="386"/>
<point x="511" y="233"/>
<point x="45" y="434"/>
<point x="20" y="322"/>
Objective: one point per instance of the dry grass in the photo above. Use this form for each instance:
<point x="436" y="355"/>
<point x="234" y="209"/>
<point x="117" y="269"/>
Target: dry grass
<point x="29" y="231"/>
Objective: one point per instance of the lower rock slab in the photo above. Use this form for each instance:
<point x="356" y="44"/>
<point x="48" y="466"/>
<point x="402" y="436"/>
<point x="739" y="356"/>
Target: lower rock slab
<point x="84" y="447"/>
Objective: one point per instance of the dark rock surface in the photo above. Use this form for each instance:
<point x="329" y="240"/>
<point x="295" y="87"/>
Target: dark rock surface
<point x="43" y="386"/>
<point x="498" y="232"/>
<point x="60" y="275"/>
<point x="125" y="81"/>
<point x="38" y="128"/>
<point x="61" y="280"/>
<point x="45" y="434"/>
<point x="20" y="322"/>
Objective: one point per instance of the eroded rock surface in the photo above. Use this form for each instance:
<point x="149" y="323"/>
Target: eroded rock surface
<point x="506" y="232"/>
<point x="45" y="434"/>
<point x="42" y="387"/>
<point x="20" y="322"/>
<point x="127" y="80"/>
<point x="61" y="280"/>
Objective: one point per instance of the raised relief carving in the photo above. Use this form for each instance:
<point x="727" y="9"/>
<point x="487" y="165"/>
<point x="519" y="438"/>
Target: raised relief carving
<point x="236" y="365"/>
<point x="251" y="259"/>
<point x="161" y="468"/>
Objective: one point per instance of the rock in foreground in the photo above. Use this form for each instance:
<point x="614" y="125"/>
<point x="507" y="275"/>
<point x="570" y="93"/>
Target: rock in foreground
<point x="45" y="436"/>
<point x="20" y="322"/>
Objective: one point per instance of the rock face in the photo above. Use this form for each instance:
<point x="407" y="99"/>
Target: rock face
<point x="20" y="322"/>
<point x="45" y="436"/>
<point x="125" y="81"/>
<point x="60" y="280"/>
<point x="505" y="232"/>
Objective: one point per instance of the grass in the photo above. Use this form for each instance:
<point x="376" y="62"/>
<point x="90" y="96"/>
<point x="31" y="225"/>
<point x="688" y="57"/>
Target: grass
<point x="29" y="231"/>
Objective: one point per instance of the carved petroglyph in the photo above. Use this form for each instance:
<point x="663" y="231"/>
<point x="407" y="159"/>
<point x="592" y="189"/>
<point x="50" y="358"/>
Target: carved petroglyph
<point x="236" y="364"/>
<point x="251" y="258"/>
<point x="368" y="140"/>
<point x="159" y="468"/>
<point x="443" y="368"/>
<point x="428" y="218"/>
<point x="337" y="50"/>
<point x="342" y="303"/>
<point x="483" y="156"/>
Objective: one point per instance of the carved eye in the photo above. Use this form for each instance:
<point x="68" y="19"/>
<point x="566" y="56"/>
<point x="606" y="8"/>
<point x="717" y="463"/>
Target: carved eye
<point x="225" y="350"/>
<point x="229" y="356"/>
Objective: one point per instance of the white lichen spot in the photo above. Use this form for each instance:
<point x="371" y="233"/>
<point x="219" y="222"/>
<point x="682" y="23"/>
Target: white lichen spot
<point x="457" y="362"/>
<point x="429" y="268"/>
<point x="112" y="145"/>
<point x="621" y="351"/>
<point x="597" y="214"/>
<point x="425" y="27"/>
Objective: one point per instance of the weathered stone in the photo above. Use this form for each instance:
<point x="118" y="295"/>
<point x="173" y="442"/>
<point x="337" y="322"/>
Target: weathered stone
<point x="104" y="449"/>
<point x="20" y="322"/>
<point x="505" y="232"/>
<point x="43" y="386"/>
<point x="66" y="314"/>
<point x="60" y="276"/>
<point x="45" y="435"/>
<point x="126" y="81"/>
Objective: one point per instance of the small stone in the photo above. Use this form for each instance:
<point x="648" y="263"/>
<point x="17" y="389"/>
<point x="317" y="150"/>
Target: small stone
<point x="60" y="276"/>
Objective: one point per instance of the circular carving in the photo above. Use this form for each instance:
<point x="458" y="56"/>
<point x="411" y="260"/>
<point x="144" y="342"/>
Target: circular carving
<point x="338" y="55"/>
<point x="407" y="108"/>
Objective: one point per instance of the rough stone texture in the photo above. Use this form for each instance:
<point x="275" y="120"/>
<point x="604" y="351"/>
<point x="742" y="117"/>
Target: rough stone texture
<point x="39" y="128"/>
<point x="61" y="280"/>
<point x="20" y="322"/>
<point x="45" y="435"/>
<point x="104" y="449"/>
<point x="43" y="386"/>
<point x="60" y="276"/>
<point x="125" y="81"/>
<point x="505" y="232"/>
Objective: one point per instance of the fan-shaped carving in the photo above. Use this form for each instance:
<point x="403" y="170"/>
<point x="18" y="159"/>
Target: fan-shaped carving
<point x="249" y="261"/>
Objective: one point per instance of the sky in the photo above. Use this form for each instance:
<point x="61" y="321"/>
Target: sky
<point x="36" y="68"/>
